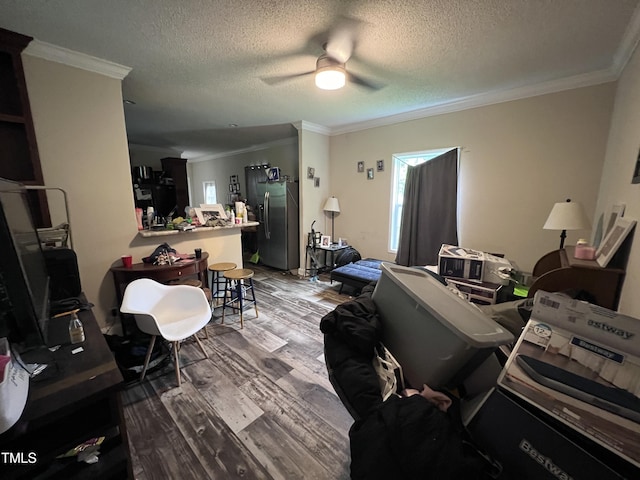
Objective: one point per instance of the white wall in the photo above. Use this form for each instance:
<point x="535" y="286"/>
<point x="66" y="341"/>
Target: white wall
<point x="620" y="159"/>
<point x="314" y="153"/>
<point x="282" y="154"/>
<point x="80" y="130"/>
<point x="518" y="159"/>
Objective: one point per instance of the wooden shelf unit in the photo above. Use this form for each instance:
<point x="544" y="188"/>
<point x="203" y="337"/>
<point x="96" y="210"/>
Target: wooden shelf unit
<point x="21" y="161"/>
<point x="559" y="271"/>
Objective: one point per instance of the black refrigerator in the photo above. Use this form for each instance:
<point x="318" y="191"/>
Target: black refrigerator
<point x="278" y="235"/>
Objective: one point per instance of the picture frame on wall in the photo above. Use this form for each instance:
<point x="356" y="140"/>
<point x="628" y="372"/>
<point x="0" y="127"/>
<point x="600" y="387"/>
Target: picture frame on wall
<point x="233" y="179"/>
<point x="369" y="173"/>
<point x="360" y="167"/>
<point x="612" y="240"/>
<point x="636" y="170"/>
<point x="316" y="182"/>
<point x="380" y="165"/>
<point x="311" y="172"/>
<point x="214" y="207"/>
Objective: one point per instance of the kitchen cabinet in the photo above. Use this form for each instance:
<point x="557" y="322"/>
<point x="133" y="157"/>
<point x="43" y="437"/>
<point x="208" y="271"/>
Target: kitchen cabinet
<point x="176" y="168"/>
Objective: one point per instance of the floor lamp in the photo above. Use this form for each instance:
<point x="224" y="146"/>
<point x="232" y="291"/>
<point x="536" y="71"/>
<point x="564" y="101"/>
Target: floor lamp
<point x="566" y="216"/>
<point x="332" y="206"/>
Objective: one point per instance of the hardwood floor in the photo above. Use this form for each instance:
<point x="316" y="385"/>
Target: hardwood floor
<point x="261" y="407"/>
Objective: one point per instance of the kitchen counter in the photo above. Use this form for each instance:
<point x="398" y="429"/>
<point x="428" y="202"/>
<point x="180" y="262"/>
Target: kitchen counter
<point x="223" y="244"/>
<point x="162" y="233"/>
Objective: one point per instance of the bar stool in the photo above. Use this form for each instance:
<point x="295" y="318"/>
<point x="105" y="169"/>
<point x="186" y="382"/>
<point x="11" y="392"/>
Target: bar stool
<point x="235" y="284"/>
<point x="217" y="280"/>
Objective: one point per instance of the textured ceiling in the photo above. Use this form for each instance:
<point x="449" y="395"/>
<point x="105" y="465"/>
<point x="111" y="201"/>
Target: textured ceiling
<point x="197" y="64"/>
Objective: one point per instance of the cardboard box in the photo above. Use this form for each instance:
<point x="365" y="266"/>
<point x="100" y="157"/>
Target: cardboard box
<point x="596" y="349"/>
<point x="462" y="262"/>
<point x="530" y="448"/>
<point x="483" y="293"/>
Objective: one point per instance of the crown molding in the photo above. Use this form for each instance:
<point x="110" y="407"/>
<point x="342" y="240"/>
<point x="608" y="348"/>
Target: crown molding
<point x="628" y="44"/>
<point x="312" y="127"/>
<point x="481" y="100"/>
<point x="253" y="148"/>
<point x="72" y="58"/>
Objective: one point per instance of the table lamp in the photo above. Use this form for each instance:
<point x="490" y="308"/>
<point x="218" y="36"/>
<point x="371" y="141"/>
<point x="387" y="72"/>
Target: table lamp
<point x="332" y="205"/>
<point x="566" y="216"/>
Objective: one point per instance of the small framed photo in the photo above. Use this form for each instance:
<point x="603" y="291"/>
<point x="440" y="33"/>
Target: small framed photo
<point x="316" y="182"/>
<point x="325" y="241"/>
<point x="311" y="172"/>
<point x="233" y="179"/>
<point x="380" y="165"/>
<point x="612" y="241"/>
<point x="342" y="242"/>
<point x="273" y="174"/>
<point x="636" y="171"/>
<point x="214" y="207"/>
<point x="369" y="173"/>
<point x="232" y="187"/>
<point x="360" y="167"/>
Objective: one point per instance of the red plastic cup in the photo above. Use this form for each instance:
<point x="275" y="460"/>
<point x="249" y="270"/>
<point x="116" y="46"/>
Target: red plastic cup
<point x="127" y="261"/>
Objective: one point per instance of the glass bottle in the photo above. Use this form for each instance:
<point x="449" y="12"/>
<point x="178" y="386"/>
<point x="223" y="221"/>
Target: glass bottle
<point x="76" y="330"/>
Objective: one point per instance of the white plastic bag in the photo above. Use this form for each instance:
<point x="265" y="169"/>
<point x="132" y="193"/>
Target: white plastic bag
<point x="389" y="372"/>
<point x="14" y="388"/>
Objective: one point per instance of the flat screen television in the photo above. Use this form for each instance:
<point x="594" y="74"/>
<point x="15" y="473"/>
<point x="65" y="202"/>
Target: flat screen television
<point x="24" y="279"/>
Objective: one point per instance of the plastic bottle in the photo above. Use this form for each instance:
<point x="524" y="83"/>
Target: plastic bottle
<point x="76" y="330"/>
<point x="233" y="217"/>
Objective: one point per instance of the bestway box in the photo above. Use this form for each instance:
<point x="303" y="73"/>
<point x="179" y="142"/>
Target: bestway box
<point x="437" y="336"/>
<point x="580" y="364"/>
<point x="532" y="448"/>
<point x="462" y="262"/>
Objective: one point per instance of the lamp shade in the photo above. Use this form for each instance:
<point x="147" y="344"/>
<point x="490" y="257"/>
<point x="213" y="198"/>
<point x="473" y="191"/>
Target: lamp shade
<point x="567" y="216"/>
<point x="332" y="205"/>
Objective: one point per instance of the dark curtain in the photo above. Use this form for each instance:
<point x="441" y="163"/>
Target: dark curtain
<point x="429" y="210"/>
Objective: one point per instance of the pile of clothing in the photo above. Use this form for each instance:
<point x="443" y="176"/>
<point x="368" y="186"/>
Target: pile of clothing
<point x="416" y="433"/>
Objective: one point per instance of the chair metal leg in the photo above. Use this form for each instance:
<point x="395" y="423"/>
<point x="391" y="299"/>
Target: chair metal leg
<point x="224" y="299"/>
<point x="253" y="295"/>
<point x="147" y="357"/>
<point x="239" y="298"/>
<point x="176" y="361"/>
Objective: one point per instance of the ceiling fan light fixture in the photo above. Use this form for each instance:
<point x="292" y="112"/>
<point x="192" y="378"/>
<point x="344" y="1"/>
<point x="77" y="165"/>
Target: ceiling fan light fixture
<point x="331" y="78"/>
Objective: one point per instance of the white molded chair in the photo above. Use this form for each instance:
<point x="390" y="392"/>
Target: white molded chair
<point x="174" y="312"/>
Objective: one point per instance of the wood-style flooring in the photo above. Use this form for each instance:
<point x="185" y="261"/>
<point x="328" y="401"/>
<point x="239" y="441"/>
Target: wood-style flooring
<point x="261" y="406"/>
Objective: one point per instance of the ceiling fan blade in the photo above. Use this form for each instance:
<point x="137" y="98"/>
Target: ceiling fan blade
<point x="364" y="83"/>
<point x="283" y="78"/>
<point x="342" y="38"/>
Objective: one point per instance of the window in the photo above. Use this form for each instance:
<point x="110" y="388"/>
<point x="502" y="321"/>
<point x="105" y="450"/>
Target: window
<point x="209" y="192"/>
<point x="401" y="162"/>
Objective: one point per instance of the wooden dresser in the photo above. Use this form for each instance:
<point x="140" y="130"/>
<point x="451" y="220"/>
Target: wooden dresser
<point x="75" y="399"/>
<point x="559" y="271"/>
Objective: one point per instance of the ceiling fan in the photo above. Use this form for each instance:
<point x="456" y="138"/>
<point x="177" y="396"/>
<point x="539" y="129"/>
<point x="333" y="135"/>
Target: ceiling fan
<point x="331" y="71"/>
